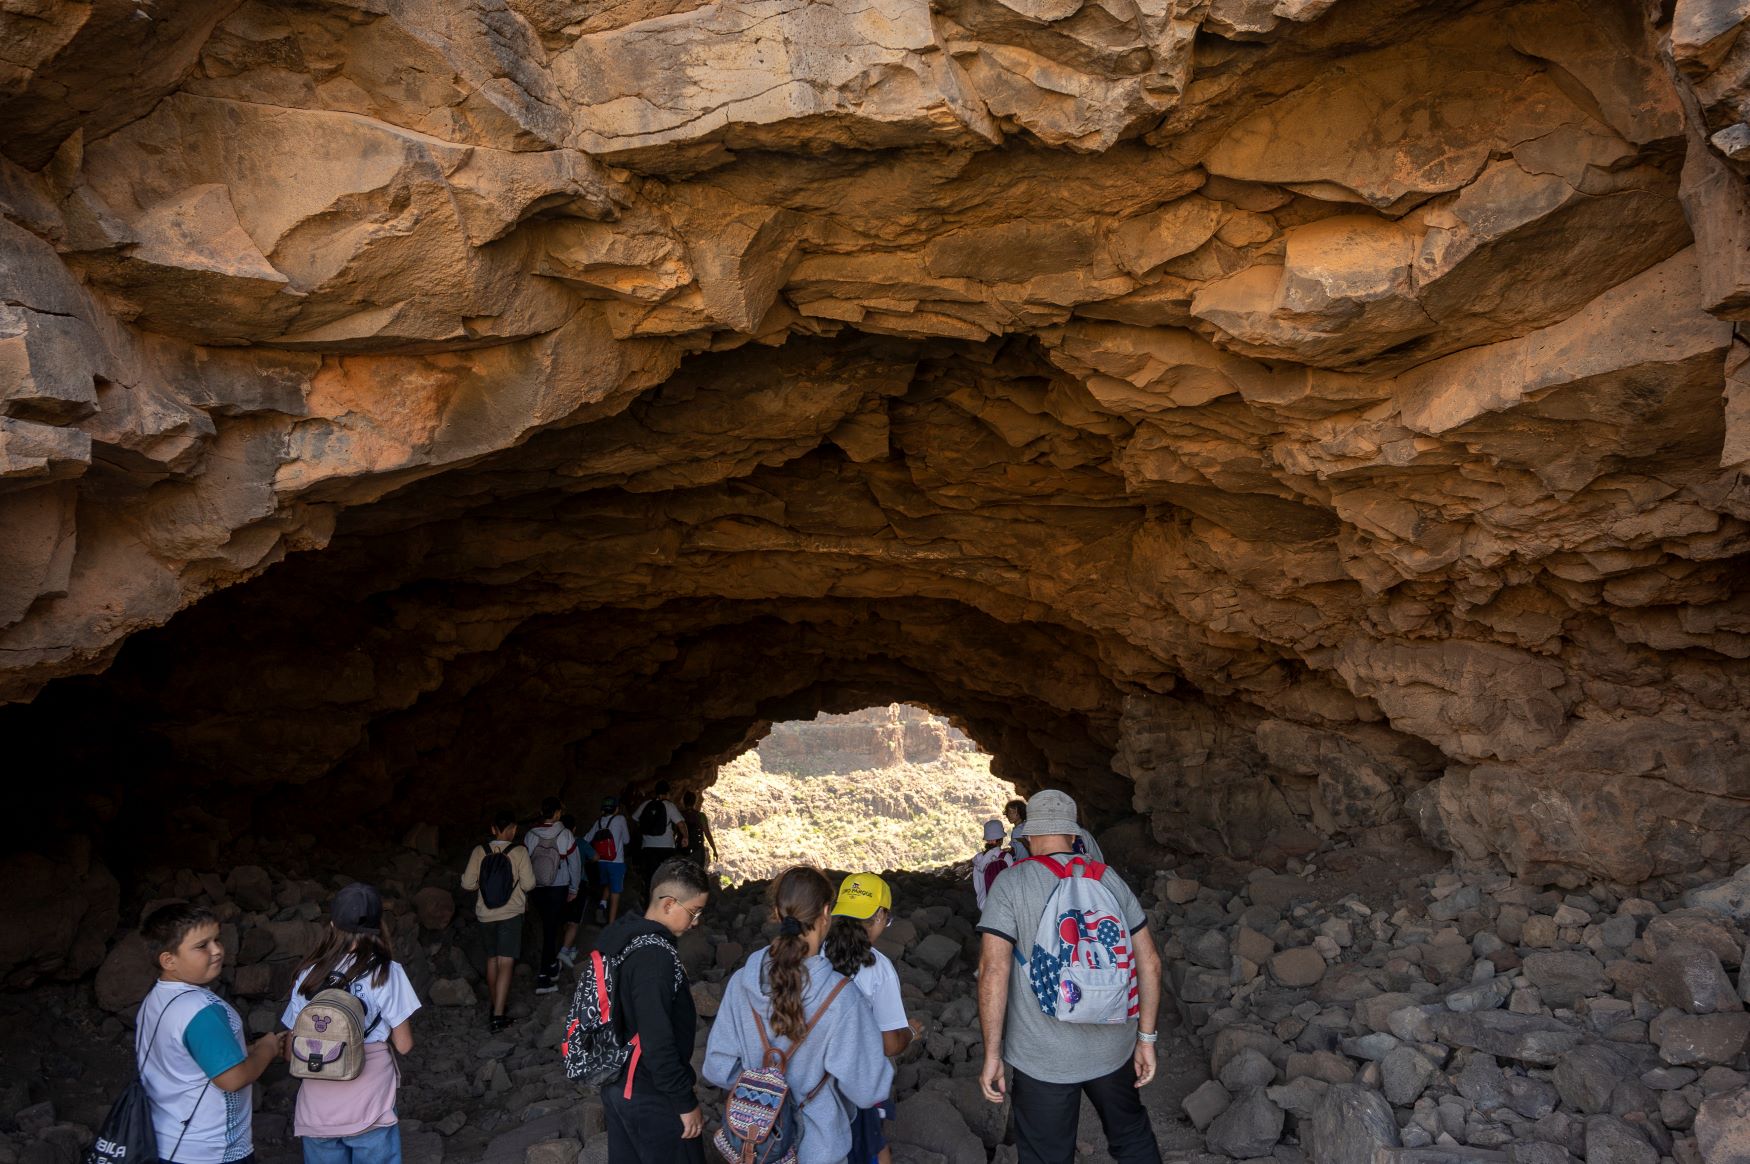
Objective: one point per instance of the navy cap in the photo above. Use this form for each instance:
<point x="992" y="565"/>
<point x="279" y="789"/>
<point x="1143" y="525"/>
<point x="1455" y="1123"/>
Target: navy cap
<point x="358" y="909"/>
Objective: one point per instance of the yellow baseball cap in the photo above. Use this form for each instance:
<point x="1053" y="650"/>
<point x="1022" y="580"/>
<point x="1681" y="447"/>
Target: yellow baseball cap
<point x="861" y="895"/>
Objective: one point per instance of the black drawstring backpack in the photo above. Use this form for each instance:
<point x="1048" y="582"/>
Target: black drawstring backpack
<point x="127" y="1136"/>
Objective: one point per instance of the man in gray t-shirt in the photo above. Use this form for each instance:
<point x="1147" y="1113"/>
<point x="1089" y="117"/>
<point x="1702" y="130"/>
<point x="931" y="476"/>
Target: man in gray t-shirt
<point x="1056" y="1062"/>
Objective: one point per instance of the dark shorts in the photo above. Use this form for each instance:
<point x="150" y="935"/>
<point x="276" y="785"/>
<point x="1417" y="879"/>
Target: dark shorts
<point x="867" y="1137"/>
<point x="504" y="939"/>
<point x="574" y="908"/>
<point x="613" y="875"/>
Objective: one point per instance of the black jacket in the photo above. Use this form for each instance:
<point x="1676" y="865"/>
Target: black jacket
<point x="650" y="1007"/>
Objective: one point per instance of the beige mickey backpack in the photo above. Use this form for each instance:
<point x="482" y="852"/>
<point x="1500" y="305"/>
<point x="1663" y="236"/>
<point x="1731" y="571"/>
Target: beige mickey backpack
<point x="328" y="1038"/>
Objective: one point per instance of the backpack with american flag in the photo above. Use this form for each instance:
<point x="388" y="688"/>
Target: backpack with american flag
<point x="1082" y="966"/>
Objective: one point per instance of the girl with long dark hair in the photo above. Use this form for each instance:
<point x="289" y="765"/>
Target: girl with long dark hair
<point x="835" y="1066"/>
<point x="859" y="917"/>
<point x="354" y="1121"/>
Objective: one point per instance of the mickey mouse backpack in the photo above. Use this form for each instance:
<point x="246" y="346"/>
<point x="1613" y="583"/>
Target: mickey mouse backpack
<point x="328" y="1039"/>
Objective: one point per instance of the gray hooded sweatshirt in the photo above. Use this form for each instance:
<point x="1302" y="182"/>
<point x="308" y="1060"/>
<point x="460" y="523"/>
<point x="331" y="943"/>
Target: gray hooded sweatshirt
<point x="845" y="1044"/>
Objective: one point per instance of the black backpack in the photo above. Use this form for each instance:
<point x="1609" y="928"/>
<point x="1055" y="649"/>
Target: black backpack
<point x="126" y="1136"/>
<point x="653" y="818"/>
<point x="497" y="878"/>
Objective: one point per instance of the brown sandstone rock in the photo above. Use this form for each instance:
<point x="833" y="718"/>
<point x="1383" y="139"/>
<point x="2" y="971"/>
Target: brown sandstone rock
<point x="1284" y="420"/>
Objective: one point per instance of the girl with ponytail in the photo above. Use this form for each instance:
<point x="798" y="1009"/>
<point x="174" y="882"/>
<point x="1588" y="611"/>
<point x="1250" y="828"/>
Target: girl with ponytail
<point x="790" y="989"/>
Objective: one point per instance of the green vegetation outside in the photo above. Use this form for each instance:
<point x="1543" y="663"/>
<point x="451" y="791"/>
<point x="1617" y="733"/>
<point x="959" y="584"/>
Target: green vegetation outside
<point x="910" y="816"/>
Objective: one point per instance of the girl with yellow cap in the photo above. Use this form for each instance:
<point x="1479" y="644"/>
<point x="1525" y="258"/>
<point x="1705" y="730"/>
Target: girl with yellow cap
<point x="859" y="917"/>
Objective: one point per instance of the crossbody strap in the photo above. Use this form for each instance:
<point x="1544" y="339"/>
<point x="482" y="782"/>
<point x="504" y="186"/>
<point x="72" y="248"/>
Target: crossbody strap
<point x="152" y="1044"/>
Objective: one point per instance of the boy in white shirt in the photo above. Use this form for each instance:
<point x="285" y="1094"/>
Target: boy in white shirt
<point x="189" y="1045"/>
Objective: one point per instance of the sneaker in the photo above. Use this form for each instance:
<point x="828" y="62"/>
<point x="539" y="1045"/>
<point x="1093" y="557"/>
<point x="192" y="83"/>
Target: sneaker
<point x="568" y="956"/>
<point x="545" y="986"/>
<point x="498" y="1023"/>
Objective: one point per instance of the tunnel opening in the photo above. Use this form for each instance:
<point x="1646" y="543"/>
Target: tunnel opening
<point x="889" y="787"/>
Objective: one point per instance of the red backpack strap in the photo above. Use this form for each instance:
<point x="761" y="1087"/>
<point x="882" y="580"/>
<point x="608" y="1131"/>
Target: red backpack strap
<point x="1093" y="869"/>
<point x="1050" y="863"/>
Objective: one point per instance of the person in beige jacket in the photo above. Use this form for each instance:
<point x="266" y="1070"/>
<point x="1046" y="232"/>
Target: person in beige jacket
<point x="501" y="874"/>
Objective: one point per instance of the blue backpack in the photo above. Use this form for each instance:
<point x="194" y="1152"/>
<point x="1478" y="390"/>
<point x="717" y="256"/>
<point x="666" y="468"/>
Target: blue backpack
<point x="760" y="1125"/>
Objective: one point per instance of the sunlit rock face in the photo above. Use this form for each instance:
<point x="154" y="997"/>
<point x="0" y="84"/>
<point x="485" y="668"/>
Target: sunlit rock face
<point x="1286" y="418"/>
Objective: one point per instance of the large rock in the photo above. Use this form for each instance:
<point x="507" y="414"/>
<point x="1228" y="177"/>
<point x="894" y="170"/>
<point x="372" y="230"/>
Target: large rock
<point x="1722" y="1128"/>
<point x="1350" y="1124"/>
<point x="1250" y="1126"/>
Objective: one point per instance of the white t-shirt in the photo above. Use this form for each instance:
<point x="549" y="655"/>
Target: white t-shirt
<point x="394" y="1001"/>
<point x="665" y="840"/>
<point x="615" y="825"/>
<point x="879" y="983"/>
<point x="219" y="1126"/>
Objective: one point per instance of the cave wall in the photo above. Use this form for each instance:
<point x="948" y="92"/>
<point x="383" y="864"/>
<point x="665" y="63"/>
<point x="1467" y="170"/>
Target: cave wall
<point x="1283" y="419"/>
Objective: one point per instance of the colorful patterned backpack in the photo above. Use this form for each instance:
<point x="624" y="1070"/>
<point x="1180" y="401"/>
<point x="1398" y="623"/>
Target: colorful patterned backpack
<point x="1082" y="966"/>
<point x="592" y="1050"/>
<point x="328" y="1037"/>
<point x="760" y="1125"/>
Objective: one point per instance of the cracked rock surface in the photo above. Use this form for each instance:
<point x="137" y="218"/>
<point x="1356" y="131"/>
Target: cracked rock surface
<point x="1285" y="419"/>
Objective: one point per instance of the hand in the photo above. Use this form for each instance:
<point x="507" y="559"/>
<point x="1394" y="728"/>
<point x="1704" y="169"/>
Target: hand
<point x="917" y="1027"/>
<point x="571" y="897"/>
<point x="269" y="1046"/>
<point x="693" y="1124"/>
<point x="990" y="1080"/>
<point x="1144" y="1063"/>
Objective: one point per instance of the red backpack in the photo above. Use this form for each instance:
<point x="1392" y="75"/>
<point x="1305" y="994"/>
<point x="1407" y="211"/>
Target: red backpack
<point x="1004" y="860"/>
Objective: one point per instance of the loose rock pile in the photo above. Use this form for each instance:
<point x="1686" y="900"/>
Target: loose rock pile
<point x="1473" y="1020"/>
<point x="1449" y="1019"/>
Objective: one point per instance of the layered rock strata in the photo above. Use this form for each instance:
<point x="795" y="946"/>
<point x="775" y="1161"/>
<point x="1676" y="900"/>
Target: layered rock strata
<point x="1287" y="419"/>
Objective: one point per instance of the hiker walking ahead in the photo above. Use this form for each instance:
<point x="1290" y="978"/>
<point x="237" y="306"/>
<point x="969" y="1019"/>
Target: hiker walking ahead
<point x="662" y="831"/>
<point x="500" y="870"/>
<point x="1069" y="986"/>
<point x="189" y="1045"/>
<point x="788" y="1008"/>
<point x="652" y="1113"/>
<point x="558" y="874"/>
<point x="859" y="917"/>
<point x="351" y="1121"/>
<point x="698" y="831"/>
<point x="609" y="839"/>
<point x="990" y="862"/>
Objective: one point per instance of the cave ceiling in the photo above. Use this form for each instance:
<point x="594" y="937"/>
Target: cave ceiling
<point x="1284" y="418"/>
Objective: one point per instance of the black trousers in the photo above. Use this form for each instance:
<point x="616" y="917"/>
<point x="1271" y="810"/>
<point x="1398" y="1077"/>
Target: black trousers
<point x="646" y="1129"/>
<point x="549" y="903"/>
<point x="1046" y="1115"/>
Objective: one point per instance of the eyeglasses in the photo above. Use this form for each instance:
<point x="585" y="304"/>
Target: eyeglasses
<point x="693" y="914"/>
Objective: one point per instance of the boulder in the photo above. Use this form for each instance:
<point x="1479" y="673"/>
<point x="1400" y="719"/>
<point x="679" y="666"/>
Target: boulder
<point x="1299" y="967"/>
<point x="1527" y="1038"/>
<point x="1350" y="1124"/>
<point x="1250" y="1126"/>
<point x="251" y="888"/>
<point x="1690" y="978"/>
<point x="1685" y="1039"/>
<point x="930" y="1122"/>
<point x="127" y="973"/>
<point x="1564" y="977"/>
<point x="434" y="907"/>
<point x="1722" y="1128"/>
<point x="1206" y="1102"/>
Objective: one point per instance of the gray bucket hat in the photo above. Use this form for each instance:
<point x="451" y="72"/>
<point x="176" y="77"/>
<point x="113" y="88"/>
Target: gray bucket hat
<point x="1050" y="813"/>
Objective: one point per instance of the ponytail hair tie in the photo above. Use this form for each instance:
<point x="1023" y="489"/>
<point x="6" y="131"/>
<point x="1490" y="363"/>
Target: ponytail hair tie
<point x="790" y="927"/>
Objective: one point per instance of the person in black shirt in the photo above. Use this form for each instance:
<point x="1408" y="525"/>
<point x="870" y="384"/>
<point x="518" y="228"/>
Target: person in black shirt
<point x="652" y="1111"/>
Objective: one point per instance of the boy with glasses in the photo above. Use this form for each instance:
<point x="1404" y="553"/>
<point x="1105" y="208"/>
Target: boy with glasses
<point x="652" y="1113"/>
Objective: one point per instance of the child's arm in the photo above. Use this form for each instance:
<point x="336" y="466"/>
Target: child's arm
<point x="217" y="1052"/>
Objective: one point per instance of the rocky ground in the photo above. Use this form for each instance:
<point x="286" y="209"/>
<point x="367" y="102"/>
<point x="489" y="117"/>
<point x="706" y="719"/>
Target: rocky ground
<point x="1361" y="1010"/>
